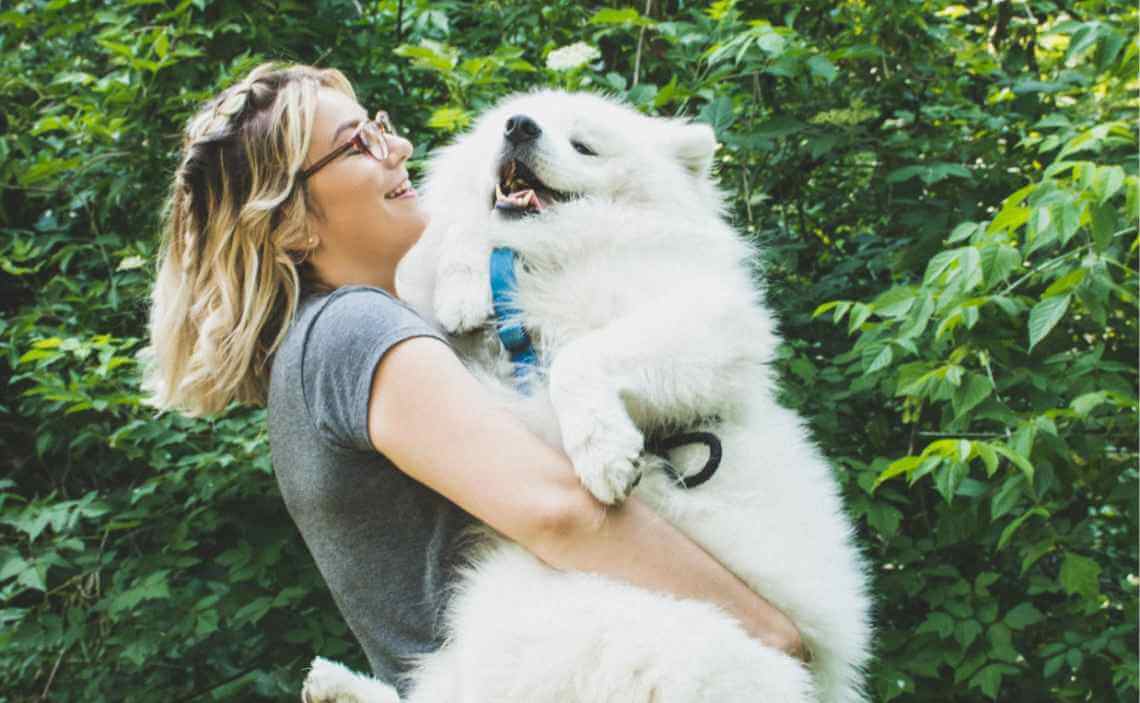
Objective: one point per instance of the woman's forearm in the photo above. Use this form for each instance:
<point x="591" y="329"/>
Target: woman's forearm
<point x="634" y="544"/>
<point x="440" y="426"/>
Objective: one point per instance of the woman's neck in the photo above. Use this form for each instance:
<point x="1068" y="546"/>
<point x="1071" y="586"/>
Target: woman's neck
<point x="337" y="273"/>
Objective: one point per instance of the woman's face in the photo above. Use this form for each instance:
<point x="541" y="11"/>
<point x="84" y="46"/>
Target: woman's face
<point x="361" y="234"/>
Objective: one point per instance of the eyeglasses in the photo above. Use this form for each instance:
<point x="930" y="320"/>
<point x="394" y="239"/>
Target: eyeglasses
<point x="368" y="138"/>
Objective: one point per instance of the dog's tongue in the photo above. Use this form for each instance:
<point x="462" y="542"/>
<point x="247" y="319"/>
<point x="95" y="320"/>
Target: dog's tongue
<point x="519" y="200"/>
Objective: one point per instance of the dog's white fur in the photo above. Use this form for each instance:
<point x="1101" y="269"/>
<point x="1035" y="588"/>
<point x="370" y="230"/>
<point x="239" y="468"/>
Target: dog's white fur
<point x="645" y="312"/>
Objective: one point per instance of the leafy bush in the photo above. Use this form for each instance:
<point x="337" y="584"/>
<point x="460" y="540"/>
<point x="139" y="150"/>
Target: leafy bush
<point x="955" y="185"/>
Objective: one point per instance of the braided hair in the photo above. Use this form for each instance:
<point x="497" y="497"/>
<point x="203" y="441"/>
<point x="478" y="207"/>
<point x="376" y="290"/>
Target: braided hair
<point x="235" y="236"/>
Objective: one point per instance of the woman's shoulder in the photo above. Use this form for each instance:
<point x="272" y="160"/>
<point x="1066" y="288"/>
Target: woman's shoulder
<point x="356" y="297"/>
<point x="355" y="311"/>
<point x="330" y="354"/>
<point x="346" y="322"/>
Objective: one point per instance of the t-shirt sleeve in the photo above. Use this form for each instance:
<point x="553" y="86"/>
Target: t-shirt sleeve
<point x="349" y="336"/>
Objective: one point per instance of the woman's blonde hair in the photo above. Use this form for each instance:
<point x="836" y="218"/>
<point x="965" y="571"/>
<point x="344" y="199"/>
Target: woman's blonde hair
<point x="235" y="234"/>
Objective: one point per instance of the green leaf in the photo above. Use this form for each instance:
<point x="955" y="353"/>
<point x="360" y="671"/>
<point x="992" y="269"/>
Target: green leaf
<point x="988" y="456"/>
<point x="884" y="519"/>
<point x="718" y="114"/>
<point x="841" y="310"/>
<point x="1016" y="459"/>
<point x="895" y="302"/>
<point x="942" y="171"/>
<point x="1067" y="217"/>
<point x="1107" y="182"/>
<point x="1052" y="666"/>
<point x="928" y="466"/>
<point x="1102" y="223"/>
<point x="938" y="265"/>
<point x="449" y="119"/>
<point x="1007" y="496"/>
<point x="1065" y="283"/>
<point x="982" y="582"/>
<point x="617" y="82"/>
<point x="966" y="632"/>
<point x="859" y="314"/>
<point x="898" y="467"/>
<point x="430" y="55"/>
<point x="14" y="566"/>
<point x="1038" y="550"/>
<point x="1009" y="219"/>
<point x="37" y="355"/>
<point x="963" y="232"/>
<point x="937" y="623"/>
<point x="206" y="623"/>
<point x="161" y="45"/>
<point x="988" y="678"/>
<point x="947" y="480"/>
<point x="824" y="307"/>
<point x="154" y="586"/>
<point x="929" y="173"/>
<point x="253" y="611"/>
<point x="1022" y="615"/>
<point x="966" y="396"/>
<point x="1044" y="317"/>
<point x="881" y="361"/>
<point x="1084" y="404"/>
<point x="778" y="127"/>
<point x="46" y="168"/>
<point x="920" y="317"/>
<point x="1001" y="643"/>
<point x="998" y="262"/>
<point x="34" y="577"/>
<point x="1082" y="40"/>
<point x="624" y="16"/>
<point x="1080" y="575"/>
<point x="1012" y="527"/>
<point x="820" y="66"/>
<point x="1074" y="658"/>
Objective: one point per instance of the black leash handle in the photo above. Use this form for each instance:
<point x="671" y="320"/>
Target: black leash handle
<point x="664" y="445"/>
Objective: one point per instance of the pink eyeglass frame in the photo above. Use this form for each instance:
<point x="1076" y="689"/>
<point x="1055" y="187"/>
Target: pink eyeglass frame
<point x="383" y="126"/>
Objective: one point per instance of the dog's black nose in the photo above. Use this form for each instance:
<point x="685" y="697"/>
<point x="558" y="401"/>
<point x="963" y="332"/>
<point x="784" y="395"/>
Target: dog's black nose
<point x="521" y="128"/>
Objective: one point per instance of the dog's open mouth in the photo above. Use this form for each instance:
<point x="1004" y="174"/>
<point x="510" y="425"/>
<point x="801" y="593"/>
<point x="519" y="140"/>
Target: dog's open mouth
<point x="520" y="192"/>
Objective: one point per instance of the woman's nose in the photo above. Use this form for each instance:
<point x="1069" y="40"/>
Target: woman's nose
<point x="399" y="150"/>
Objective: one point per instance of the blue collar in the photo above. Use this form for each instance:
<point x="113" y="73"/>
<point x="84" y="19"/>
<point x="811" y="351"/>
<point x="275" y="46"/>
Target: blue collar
<point x="504" y="287"/>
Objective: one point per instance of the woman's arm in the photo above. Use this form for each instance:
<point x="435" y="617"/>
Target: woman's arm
<point x="434" y="420"/>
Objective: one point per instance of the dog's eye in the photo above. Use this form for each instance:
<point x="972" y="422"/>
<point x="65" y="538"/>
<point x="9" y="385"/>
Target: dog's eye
<point x="583" y="149"/>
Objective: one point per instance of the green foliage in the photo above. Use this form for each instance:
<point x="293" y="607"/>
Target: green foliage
<point x="955" y="184"/>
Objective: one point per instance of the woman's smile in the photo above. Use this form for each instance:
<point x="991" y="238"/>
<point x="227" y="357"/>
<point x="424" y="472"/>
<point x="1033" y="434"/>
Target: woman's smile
<point x="402" y="191"/>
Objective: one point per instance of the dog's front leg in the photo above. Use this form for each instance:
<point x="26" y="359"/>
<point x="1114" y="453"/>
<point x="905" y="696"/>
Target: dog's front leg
<point x="670" y="363"/>
<point x="463" y="281"/>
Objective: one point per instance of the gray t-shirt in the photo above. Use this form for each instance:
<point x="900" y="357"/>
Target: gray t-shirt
<point x="384" y="543"/>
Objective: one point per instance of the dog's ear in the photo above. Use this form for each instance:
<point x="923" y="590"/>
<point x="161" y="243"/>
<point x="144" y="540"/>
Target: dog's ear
<point x="693" y="144"/>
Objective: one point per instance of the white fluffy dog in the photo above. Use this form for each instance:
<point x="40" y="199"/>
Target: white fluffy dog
<point x="647" y="321"/>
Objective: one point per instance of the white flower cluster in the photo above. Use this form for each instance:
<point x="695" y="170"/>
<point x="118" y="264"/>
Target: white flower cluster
<point x="573" y="56"/>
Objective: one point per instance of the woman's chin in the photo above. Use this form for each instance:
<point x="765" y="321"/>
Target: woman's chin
<point x="414" y="229"/>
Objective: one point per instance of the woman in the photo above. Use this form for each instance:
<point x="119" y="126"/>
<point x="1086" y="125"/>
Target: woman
<point x="289" y="213"/>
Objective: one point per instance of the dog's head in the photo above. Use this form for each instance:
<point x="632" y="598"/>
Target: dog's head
<point x="535" y="151"/>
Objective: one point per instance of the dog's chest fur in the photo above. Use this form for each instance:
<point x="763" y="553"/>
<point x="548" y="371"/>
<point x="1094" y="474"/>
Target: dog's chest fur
<point x="566" y="294"/>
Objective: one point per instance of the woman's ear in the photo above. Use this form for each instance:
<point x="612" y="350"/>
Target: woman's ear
<point x="693" y="145"/>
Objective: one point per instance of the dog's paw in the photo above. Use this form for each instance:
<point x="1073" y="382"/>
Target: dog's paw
<point x="607" y="455"/>
<point x="597" y="432"/>
<point x="329" y="682"/>
<point x="463" y="301"/>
